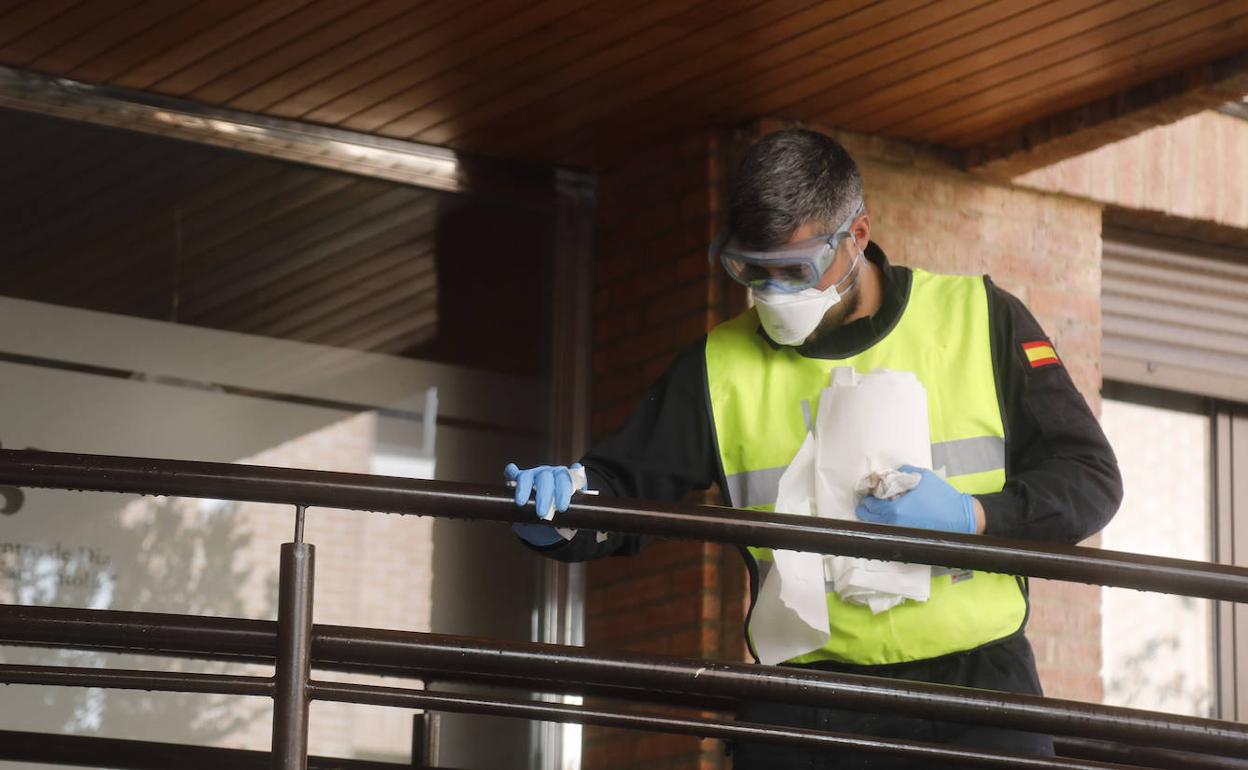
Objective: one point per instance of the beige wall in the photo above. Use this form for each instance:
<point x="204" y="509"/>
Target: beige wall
<point x="1193" y="168"/>
<point x="371" y="569"/>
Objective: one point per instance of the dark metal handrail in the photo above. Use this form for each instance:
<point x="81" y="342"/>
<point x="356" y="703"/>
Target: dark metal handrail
<point x="576" y="670"/>
<point x="707" y="727"/>
<point x="554" y="712"/>
<point x="730" y="730"/>
<point x="356" y="491"/>
<point x="1145" y="756"/>
<point x="86" y="751"/>
<point x="118" y="679"/>
<point x="295" y="644"/>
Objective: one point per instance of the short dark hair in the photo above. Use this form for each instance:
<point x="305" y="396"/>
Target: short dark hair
<point x="787" y="179"/>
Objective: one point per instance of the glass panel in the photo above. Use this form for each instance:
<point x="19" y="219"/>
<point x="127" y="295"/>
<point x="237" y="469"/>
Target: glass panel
<point x="163" y="299"/>
<point x="143" y="226"/>
<point x="1158" y="649"/>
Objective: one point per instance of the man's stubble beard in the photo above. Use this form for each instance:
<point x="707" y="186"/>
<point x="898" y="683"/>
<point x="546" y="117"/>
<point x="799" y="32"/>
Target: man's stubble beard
<point x="836" y="315"/>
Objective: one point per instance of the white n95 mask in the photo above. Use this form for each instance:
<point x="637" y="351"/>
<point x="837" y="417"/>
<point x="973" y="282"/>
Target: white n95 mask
<point x="790" y="317"/>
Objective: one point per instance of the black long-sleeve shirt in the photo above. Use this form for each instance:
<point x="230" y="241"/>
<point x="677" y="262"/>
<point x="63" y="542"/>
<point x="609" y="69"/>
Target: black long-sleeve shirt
<point x="1062" y="481"/>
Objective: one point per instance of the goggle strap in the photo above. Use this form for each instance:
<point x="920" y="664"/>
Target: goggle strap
<point x="851" y="273"/>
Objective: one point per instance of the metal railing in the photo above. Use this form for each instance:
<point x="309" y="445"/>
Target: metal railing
<point x="295" y="647"/>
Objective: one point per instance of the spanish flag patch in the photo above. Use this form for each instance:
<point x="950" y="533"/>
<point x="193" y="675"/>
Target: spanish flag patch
<point x="1040" y="353"/>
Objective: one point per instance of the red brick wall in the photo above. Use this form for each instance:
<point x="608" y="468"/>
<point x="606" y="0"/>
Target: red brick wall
<point x="652" y="283"/>
<point x="655" y="295"/>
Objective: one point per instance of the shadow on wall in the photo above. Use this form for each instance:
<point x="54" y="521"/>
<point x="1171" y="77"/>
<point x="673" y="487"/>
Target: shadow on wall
<point x="159" y="555"/>
<point x="1148" y="679"/>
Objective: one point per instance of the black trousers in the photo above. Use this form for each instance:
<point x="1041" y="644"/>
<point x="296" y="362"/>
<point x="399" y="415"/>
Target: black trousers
<point x="1007" y="666"/>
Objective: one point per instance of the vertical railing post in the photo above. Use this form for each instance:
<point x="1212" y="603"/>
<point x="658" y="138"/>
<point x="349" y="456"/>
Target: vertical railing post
<point x="294" y="652"/>
<point x="425" y="739"/>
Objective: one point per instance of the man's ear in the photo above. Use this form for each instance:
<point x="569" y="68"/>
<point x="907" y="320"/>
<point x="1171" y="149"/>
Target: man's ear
<point x="861" y="229"/>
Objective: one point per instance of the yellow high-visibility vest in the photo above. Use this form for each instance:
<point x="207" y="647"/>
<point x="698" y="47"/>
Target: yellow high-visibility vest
<point x="942" y="336"/>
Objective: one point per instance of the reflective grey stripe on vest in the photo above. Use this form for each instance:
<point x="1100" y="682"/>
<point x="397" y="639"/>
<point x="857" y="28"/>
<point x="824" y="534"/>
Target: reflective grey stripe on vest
<point x="754" y="487"/>
<point x="958" y="458"/>
<point x="969" y="455"/>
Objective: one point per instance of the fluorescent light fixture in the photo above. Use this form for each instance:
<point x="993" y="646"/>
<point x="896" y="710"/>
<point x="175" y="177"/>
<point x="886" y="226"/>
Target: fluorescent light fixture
<point x="350" y="151"/>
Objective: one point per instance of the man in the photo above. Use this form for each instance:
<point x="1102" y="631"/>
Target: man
<point x="1023" y="455"/>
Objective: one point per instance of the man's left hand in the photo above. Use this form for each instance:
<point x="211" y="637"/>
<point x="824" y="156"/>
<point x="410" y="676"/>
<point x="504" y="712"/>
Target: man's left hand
<point x="933" y="504"/>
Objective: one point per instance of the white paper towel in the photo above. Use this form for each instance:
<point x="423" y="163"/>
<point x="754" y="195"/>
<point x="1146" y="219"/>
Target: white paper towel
<point x="866" y="423"/>
<point x="791" y="615"/>
<point x="869" y="423"/>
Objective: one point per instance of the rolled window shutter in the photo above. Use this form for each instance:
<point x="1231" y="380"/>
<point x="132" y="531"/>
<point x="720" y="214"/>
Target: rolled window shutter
<point x="1175" y="319"/>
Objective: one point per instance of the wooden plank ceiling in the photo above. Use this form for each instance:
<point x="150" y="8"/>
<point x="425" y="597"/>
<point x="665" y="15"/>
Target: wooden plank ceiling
<point x="578" y="81"/>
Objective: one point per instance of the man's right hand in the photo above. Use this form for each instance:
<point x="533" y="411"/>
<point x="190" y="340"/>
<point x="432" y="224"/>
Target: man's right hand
<point x="552" y="487"/>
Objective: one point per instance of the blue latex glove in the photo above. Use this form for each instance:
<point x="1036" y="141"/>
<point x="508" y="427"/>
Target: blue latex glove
<point x="933" y="504"/>
<point x="552" y="489"/>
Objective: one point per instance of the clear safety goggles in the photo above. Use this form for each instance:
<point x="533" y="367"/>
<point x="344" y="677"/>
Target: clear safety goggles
<point x="790" y="268"/>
